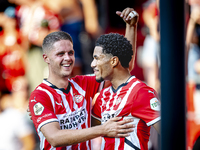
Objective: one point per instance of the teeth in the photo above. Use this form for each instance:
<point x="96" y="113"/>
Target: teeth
<point x="67" y="65"/>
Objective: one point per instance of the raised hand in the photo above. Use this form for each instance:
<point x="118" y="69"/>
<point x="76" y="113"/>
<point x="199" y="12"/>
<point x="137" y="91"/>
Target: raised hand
<point x="129" y="16"/>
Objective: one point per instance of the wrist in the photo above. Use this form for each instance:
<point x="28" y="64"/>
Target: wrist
<point x="99" y="129"/>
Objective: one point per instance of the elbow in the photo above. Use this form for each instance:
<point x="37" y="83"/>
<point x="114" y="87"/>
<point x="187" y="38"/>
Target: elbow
<point x="58" y="142"/>
<point x="53" y="141"/>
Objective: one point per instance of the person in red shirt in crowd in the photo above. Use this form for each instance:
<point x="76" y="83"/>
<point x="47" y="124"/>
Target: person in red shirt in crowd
<point x="12" y="53"/>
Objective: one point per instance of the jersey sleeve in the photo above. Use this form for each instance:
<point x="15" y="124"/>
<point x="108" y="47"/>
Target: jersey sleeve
<point x="96" y="110"/>
<point x="146" y="106"/>
<point x="41" y="109"/>
<point x="89" y="83"/>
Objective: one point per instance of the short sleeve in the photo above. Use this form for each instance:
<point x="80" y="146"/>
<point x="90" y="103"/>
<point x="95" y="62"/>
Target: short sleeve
<point x="96" y="110"/>
<point x="146" y="106"/>
<point x="88" y="83"/>
<point x="41" y="109"/>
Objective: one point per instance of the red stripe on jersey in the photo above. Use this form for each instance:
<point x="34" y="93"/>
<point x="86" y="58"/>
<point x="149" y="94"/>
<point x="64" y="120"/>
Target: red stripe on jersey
<point x="121" y="146"/>
<point x="142" y="135"/>
<point x="109" y="143"/>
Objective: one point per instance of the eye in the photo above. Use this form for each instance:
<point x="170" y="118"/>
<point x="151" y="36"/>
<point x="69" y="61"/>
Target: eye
<point x="71" y="53"/>
<point x="61" y="54"/>
<point x="96" y="57"/>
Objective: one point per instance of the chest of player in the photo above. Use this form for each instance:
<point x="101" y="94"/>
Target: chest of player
<point x="116" y="104"/>
<point x="72" y="110"/>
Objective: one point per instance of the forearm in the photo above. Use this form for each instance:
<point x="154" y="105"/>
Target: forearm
<point x="76" y="136"/>
<point x="131" y="35"/>
<point x="112" y="128"/>
<point x="90" y="16"/>
<point x="57" y="137"/>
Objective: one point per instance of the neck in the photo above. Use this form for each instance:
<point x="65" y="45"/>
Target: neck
<point x="59" y="82"/>
<point x="120" y="78"/>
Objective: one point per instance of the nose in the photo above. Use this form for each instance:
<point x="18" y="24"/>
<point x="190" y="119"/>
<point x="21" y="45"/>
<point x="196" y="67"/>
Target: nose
<point x="67" y="57"/>
<point x="93" y="63"/>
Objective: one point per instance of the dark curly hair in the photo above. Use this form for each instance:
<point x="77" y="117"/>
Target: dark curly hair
<point x="53" y="37"/>
<point x="117" y="45"/>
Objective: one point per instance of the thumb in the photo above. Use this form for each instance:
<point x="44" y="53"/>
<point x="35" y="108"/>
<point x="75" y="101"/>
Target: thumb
<point x="118" y="13"/>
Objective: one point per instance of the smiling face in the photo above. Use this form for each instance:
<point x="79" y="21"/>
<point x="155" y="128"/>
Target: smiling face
<point x="101" y="64"/>
<point x="60" y="59"/>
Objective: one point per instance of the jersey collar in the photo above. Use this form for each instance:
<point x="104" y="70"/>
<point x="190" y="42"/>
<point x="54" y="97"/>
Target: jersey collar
<point x="123" y="84"/>
<point x="65" y="90"/>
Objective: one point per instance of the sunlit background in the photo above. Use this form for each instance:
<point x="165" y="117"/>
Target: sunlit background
<point x="24" y="24"/>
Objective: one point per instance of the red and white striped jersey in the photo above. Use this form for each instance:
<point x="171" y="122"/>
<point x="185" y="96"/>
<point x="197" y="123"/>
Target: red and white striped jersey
<point x="71" y="107"/>
<point x="133" y="99"/>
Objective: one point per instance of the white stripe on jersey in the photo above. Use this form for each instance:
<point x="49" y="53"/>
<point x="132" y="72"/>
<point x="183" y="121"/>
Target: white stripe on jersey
<point x="50" y="96"/>
<point x="64" y="100"/>
<point x="115" y="98"/>
<point x="101" y="86"/>
<point x="102" y="143"/>
<point x="130" y="79"/>
<point x="123" y="102"/>
<point x="40" y="134"/>
<point x="45" y="122"/>
<point x="133" y="135"/>
<point x="42" y="140"/>
<point x="82" y="92"/>
<point x="47" y="83"/>
<point x="117" y="142"/>
<point x="69" y="147"/>
<point x="77" y="87"/>
<point x="75" y="106"/>
<point x="102" y="99"/>
<point x="153" y="121"/>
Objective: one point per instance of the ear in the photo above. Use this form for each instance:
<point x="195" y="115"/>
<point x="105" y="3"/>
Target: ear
<point x="46" y="58"/>
<point x="114" y="61"/>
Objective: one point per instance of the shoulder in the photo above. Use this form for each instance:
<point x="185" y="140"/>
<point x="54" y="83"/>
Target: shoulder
<point x="142" y="89"/>
<point x="84" y="79"/>
<point x="42" y="94"/>
<point x="41" y="90"/>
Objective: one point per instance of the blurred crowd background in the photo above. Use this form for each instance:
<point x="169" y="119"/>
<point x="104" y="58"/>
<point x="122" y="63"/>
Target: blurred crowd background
<point x="24" y="24"/>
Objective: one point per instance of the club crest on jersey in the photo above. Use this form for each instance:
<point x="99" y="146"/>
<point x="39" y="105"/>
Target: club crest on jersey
<point x="118" y="101"/>
<point x="38" y="109"/>
<point x="155" y="104"/>
<point x="78" y="98"/>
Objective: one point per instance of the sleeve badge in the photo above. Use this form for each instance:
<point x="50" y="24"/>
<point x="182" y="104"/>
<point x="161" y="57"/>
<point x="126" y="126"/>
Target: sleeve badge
<point x="155" y="104"/>
<point x="38" y="109"/>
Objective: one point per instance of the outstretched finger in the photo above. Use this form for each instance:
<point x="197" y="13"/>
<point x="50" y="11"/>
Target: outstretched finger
<point x="115" y="119"/>
<point x="125" y="121"/>
<point x="118" y="13"/>
<point x="123" y="14"/>
<point x="124" y="132"/>
<point x="127" y="126"/>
